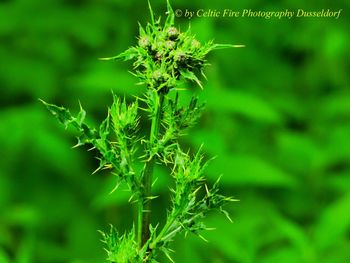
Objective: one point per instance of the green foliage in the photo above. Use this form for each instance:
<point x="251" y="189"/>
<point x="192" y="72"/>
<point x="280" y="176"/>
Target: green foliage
<point x="276" y="117"/>
<point x="117" y="151"/>
<point x="163" y="57"/>
<point x="164" y="54"/>
<point x="120" y="249"/>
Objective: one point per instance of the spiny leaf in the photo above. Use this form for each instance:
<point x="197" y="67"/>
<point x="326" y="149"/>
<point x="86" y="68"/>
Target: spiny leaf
<point x="170" y="16"/>
<point x="62" y="114"/>
<point x="81" y="115"/>
<point x="151" y="12"/>
<point x="129" y="54"/>
<point x="187" y="74"/>
<point x="120" y="249"/>
<point x="104" y="128"/>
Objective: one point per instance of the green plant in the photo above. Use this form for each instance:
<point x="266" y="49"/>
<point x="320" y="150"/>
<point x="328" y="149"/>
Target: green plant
<point x="163" y="57"/>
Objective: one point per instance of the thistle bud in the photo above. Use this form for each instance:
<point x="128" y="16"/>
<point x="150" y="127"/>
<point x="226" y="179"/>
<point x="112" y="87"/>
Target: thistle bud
<point x="160" y="76"/>
<point x="173" y="33"/>
<point x="158" y="56"/>
<point x="157" y="75"/>
<point x="169" y="44"/>
<point x="144" y="42"/>
<point x="195" y="44"/>
<point x="180" y="56"/>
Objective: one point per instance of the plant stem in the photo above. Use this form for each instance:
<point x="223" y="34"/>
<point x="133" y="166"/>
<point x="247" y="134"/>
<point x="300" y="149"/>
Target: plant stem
<point x="162" y="232"/>
<point x="144" y="209"/>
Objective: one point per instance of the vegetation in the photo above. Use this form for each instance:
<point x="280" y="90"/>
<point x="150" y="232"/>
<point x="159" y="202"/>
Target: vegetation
<point x="276" y="115"/>
<point x="163" y="57"/>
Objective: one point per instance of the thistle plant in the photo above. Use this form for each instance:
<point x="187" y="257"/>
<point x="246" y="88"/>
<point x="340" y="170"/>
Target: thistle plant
<point x="163" y="58"/>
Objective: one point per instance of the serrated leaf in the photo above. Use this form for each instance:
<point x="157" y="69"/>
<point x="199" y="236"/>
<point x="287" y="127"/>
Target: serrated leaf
<point x="189" y="75"/>
<point x="170" y="16"/>
<point x="120" y="249"/>
<point x="81" y="115"/>
<point x="129" y="54"/>
<point x="151" y="12"/>
<point x="62" y="114"/>
<point x="105" y="128"/>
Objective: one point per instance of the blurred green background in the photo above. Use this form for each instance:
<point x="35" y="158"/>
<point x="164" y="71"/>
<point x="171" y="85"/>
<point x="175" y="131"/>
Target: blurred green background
<point x="278" y="118"/>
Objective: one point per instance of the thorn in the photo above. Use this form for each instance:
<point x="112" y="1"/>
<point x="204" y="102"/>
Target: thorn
<point x="131" y="197"/>
<point x="133" y="202"/>
<point x="226" y="214"/>
<point x="77" y="145"/>
<point x="206" y="189"/>
<point x="180" y="89"/>
<point x="107" y="166"/>
<point x="98" y="169"/>
<point x="115" y="188"/>
<point x="205" y="240"/>
<point x="80" y="107"/>
<point x="168" y="256"/>
<point x="109" y="58"/>
<point x="152" y="197"/>
<point x="195" y="191"/>
<point x="155" y="181"/>
<point x="43" y="102"/>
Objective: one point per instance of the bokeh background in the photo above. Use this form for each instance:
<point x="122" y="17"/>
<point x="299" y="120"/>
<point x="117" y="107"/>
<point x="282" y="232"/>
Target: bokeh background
<point x="277" y="118"/>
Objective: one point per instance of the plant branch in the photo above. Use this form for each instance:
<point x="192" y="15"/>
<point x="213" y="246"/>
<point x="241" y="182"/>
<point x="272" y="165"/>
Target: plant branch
<point x="164" y="230"/>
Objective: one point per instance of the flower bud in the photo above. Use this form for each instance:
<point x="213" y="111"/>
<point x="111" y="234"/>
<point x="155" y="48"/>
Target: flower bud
<point x="169" y="44"/>
<point x="157" y="75"/>
<point x="195" y="44"/>
<point x="158" y="56"/>
<point x="160" y="76"/>
<point x="144" y="42"/>
<point x="180" y="56"/>
<point x="173" y="33"/>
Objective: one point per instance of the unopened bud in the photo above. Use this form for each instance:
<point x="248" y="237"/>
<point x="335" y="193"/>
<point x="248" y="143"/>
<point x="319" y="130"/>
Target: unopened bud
<point x="144" y="42"/>
<point x="157" y="75"/>
<point x="173" y="33"/>
<point x="160" y="76"/>
<point x="180" y="56"/>
<point x="196" y="44"/>
<point x="158" y="56"/>
<point x="169" y="44"/>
